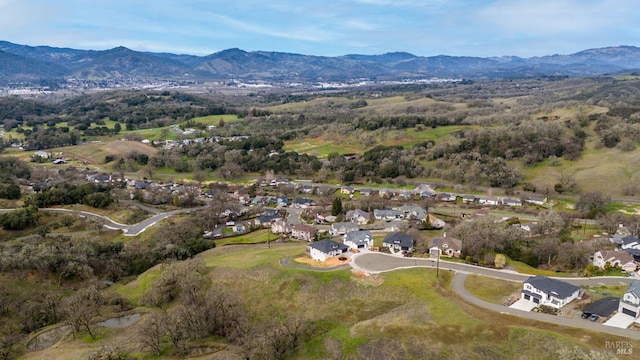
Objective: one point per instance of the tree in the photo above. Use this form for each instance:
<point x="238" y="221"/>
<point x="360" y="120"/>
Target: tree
<point x="548" y="222"/>
<point x="499" y="261"/>
<point x="82" y="307"/>
<point x="336" y="207"/>
<point x="153" y="330"/>
<point x="592" y="204"/>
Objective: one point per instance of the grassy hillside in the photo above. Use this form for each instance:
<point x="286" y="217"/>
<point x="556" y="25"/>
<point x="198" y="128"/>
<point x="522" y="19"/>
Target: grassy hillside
<point x="408" y="313"/>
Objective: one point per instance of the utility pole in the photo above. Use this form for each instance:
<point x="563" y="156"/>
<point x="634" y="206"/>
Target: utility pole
<point x="438" y="264"/>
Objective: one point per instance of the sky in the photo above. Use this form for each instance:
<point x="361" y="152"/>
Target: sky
<point x="326" y="27"/>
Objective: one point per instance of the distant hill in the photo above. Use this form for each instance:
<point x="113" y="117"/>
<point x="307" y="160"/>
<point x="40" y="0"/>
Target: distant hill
<point x="24" y="63"/>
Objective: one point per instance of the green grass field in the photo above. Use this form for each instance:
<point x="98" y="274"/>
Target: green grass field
<point x="243" y="258"/>
<point x="491" y="289"/>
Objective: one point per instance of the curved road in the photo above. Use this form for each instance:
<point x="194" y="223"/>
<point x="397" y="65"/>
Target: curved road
<point x="377" y="263"/>
<point x="128" y="230"/>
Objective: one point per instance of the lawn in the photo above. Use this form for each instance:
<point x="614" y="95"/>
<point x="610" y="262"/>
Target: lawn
<point x="425" y="285"/>
<point x="254" y="237"/>
<point x="248" y="257"/>
<point x="134" y="290"/>
<point x="526" y="269"/>
<point x="215" y="119"/>
<point x="490" y="289"/>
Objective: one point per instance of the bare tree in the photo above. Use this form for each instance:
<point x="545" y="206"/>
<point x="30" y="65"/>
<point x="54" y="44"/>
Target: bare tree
<point x="153" y="330"/>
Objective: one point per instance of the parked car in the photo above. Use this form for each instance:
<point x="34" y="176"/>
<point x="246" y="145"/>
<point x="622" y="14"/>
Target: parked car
<point x="585" y="315"/>
<point x="594" y="317"/>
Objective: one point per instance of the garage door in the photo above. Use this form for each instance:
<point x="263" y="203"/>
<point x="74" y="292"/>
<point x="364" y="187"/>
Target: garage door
<point x="360" y="246"/>
<point x="536" y="300"/>
<point x="527" y="297"/>
<point x="628" y="312"/>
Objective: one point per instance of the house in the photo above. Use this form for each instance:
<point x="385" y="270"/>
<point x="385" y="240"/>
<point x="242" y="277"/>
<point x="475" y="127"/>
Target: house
<point x="303" y="232"/>
<point x="536" y="200"/>
<point x="427" y="194"/>
<point x="386" y="193"/>
<point x="406" y="194"/>
<point x="383" y="214"/>
<point x="347" y="190"/>
<point x="358" y="239"/>
<point x="542" y="290"/>
<point x="446" y="197"/>
<point x="307" y="189"/>
<point x="282" y="201"/>
<point x="435" y="222"/>
<point x="620" y="259"/>
<point x="366" y="192"/>
<point x="511" y="201"/>
<point x="358" y="216"/>
<point x="266" y="219"/>
<point x="303" y="203"/>
<point x="446" y="246"/>
<point x="341" y="228"/>
<point x="325" y="249"/>
<point x="280" y="226"/>
<point x="468" y="199"/>
<point x="488" y="200"/>
<point x="630" y="302"/>
<point x="413" y="212"/>
<point x="398" y="242"/>
<point x="425" y="191"/>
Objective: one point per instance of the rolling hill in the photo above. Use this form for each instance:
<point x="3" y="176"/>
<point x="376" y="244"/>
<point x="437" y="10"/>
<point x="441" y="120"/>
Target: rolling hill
<point x="22" y="62"/>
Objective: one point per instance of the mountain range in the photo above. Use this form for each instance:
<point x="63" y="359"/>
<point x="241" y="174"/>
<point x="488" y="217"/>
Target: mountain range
<point x="22" y="63"/>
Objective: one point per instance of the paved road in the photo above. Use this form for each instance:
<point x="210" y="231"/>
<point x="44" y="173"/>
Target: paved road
<point x="293" y="215"/>
<point x="128" y="230"/>
<point x="377" y="263"/>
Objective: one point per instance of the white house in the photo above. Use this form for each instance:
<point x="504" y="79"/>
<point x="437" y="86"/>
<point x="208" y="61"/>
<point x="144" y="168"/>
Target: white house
<point x="325" y="249"/>
<point x="614" y="258"/>
<point x="536" y="200"/>
<point x="488" y="200"/>
<point x="630" y="302"/>
<point x="542" y="290"/>
<point x="358" y="239"/>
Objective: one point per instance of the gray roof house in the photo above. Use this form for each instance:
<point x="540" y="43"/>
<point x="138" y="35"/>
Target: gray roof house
<point x="446" y="246"/>
<point x="358" y="216"/>
<point x="383" y="214"/>
<point x="630" y="302"/>
<point x="542" y="290"/>
<point x="398" y="242"/>
<point x="326" y="248"/>
<point x="413" y="212"/>
<point x="511" y="201"/>
<point x="341" y="228"/>
<point x="358" y="239"/>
